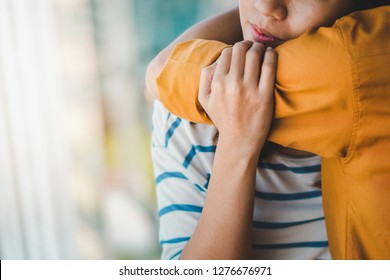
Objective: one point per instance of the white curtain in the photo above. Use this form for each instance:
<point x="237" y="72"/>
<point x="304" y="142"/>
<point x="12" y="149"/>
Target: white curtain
<point x="75" y="173"/>
<point x="37" y="219"/>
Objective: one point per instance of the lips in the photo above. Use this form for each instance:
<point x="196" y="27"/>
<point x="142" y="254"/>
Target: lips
<point x="262" y="36"/>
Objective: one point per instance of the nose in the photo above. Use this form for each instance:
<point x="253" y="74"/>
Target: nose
<point x="275" y="9"/>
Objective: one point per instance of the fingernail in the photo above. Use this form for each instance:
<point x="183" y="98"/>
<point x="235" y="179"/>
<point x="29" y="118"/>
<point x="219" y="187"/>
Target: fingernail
<point x="269" y="49"/>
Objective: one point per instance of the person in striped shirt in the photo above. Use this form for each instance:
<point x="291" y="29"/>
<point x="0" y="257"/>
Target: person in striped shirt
<point x="226" y="201"/>
<point x="285" y="216"/>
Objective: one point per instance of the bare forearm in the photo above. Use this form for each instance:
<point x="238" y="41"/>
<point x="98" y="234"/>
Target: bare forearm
<point x="224" y="27"/>
<point x="243" y="120"/>
<point x="225" y="227"/>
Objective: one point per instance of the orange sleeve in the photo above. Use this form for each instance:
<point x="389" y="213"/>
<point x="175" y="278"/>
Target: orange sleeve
<point x="178" y="82"/>
<point x="313" y="94"/>
<point x="314" y="100"/>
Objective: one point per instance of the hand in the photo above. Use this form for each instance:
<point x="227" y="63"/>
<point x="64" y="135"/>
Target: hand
<point x="237" y="94"/>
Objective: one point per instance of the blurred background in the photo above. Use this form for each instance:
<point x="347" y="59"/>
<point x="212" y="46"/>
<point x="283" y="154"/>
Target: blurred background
<point x="76" y="179"/>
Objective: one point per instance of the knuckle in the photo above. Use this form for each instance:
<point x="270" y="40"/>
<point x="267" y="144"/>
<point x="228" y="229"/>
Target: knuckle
<point x="206" y="70"/>
<point x="258" y="48"/>
<point x="242" y="46"/>
<point x="216" y="86"/>
<point x="209" y="71"/>
<point x="226" y="51"/>
<point x="237" y="89"/>
<point x="254" y="53"/>
<point x="201" y="99"/>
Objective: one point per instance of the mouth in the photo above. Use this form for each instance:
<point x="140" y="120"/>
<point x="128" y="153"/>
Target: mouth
<point x="262" y="36"/>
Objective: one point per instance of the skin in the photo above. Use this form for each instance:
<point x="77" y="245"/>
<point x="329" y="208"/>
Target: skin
<point x="288" y="19"/>
<point x="240" y="102"/>
<point x="285" y="20"/>
<point x="224" y="229"/>
<point x="213" y="28"/>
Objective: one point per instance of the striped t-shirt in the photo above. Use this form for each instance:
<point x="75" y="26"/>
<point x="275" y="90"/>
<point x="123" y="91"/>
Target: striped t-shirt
<point x="288" y="221"/>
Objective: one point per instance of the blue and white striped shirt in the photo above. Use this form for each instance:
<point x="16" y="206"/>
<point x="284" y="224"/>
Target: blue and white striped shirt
<point x="288" y="220"/>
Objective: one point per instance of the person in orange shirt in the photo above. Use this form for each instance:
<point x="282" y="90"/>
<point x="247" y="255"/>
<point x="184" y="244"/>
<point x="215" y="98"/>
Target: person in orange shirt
<point x="338" y="110"/>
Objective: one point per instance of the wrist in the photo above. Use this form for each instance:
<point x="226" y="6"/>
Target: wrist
<point x="236" y="148"/>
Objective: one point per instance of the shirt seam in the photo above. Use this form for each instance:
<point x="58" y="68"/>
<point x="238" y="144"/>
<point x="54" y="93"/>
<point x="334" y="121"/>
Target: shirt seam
<point x="356" y="111"/>
<point x="356" y="119"/>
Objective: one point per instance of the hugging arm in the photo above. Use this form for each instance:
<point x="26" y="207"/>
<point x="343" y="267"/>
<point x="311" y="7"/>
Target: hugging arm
<point x="313" y="100"/>
<point x="227" y="216"/>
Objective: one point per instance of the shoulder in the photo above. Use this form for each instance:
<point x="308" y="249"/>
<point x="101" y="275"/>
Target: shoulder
<point x="367" y="31"/>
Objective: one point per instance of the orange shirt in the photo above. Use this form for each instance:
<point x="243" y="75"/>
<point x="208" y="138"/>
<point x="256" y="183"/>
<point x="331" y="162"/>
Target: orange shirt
<point x="332" y="99"/>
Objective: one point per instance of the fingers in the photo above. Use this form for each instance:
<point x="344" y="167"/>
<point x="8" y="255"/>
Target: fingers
<point x="266" y="89"/>
<point x="267" y="78"/>
<point x="254" y="57"/>
<point x="237" y="93"/>
<point x="206" y="78"/>
<point x="246" y="66"/>
<point x="239" y="58"/>
<point x="223" y="63"/>
<point x="244" y="59"/>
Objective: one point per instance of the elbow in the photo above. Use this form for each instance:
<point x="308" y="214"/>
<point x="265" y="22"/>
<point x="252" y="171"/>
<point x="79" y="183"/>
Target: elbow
<point x="153" y="70"/>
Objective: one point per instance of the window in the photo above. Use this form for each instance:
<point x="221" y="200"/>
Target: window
<point x="75" y="172"/>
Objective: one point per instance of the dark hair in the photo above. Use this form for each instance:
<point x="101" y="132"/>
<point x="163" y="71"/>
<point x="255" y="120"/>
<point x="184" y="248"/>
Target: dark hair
<point x="368" y="4"/>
